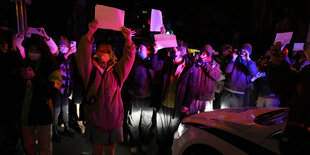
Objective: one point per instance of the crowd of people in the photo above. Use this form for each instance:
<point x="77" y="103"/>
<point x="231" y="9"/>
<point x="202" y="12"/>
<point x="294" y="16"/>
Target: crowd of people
<point x="123" y="99"/>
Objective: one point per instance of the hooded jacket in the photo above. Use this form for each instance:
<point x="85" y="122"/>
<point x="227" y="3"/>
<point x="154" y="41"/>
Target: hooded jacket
<point x="107" y="112"/>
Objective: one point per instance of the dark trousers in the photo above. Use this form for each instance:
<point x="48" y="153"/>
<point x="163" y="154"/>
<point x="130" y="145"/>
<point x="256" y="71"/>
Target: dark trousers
<point x="139" y="119"/>
<point x="167" y="122"/>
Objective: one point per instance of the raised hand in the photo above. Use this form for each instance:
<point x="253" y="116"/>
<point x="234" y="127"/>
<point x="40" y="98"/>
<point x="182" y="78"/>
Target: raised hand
<point x="247" y="55"/>
<point x="127" y="34"/>
<point x="41" y="31"/>
<point x="93" y="26"/>
<point x="276" y="54"/>
<point x="234" y="56"/>
<point x="155" y="47"/>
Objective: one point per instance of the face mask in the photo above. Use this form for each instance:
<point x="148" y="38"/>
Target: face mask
<point x="173" y="54"/>
<point x="142" y="54"/>
<point x="34" y="56"/>
<point x="104" y="58"/>
<point x="63" y="50"/>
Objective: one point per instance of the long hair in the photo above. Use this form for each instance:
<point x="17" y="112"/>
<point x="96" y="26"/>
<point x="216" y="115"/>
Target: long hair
<point x="48" y="61"/>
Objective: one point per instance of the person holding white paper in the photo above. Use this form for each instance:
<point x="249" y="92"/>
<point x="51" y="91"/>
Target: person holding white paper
<point x="141" y="92"/>
<point x="299" y="60"/>
<point x="178" y="91"/>
<point x="103" y="79"/>
<point x="293" y="89"/>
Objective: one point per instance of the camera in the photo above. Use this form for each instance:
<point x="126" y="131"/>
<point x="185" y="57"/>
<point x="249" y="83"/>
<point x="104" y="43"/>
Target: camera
<point x="200" y="62"/>
<point x="239" y="52"/>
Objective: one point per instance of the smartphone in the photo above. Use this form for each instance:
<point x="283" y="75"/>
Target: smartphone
<point x="35" y="30"/>
<point x="72" y="44"/>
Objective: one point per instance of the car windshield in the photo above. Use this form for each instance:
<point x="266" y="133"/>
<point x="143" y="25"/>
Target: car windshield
<point x="272" y="118"/>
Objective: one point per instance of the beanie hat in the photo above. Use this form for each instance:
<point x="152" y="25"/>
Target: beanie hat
<point x="248" y="47"/>
<point x="64" y="41"/>
<point x="208" y="48"/>
<point x="227" y="47"/>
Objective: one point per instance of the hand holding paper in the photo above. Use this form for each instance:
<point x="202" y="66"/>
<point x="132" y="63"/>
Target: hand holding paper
<point x="93" y="26"/>
<point x="276" y="53"/>
<point x="127" y="34"/>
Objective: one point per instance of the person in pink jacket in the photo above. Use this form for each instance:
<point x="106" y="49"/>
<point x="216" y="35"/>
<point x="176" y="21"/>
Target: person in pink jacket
<point x="104" y="116"/>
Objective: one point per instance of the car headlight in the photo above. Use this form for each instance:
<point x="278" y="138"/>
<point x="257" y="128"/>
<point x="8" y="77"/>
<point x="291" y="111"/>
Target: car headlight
<point x="181" y="130"/>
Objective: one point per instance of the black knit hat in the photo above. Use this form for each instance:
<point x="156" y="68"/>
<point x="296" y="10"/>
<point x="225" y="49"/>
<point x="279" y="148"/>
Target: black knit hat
<point x="248" y="47"/>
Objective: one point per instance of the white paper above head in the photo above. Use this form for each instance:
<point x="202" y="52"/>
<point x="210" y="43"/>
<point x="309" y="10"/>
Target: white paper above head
<point x="109" y="18"/>
<point x="165" y="41"/>
<point x="298" y="47"/>
<point x="156" y="20"/>
<point x="284" y="37"/>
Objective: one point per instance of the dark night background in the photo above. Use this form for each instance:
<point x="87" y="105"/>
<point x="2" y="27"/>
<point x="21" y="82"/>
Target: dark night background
<point x="197" y="22"/>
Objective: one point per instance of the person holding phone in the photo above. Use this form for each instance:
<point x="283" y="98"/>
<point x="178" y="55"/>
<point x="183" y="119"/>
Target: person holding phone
<point x="41" y="82"/>
<point x="27" y="33"/>
<point x="66" y="89"/>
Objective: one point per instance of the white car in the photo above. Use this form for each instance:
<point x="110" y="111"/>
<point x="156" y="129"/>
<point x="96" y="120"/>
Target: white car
<point x="233" y="131"/>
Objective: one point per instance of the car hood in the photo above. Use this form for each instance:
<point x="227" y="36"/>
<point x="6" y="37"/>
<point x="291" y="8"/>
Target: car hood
<point x="231" y="118"/>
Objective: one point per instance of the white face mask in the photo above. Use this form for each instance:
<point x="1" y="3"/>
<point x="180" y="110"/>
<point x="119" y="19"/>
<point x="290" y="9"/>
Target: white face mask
<point x="34" y="56"/>
<point x="63" y="50"/>
<point x="104" y="58"/>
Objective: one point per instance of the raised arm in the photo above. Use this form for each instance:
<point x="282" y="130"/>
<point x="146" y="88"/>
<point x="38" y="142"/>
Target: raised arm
<point x="155" y="63"/>
<point x="281" y="78"/>
<point x="48" y="40"/>
<point x="84" y="53"/>
<point x="19" y="38"/>
<point x="123" y="67"/>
